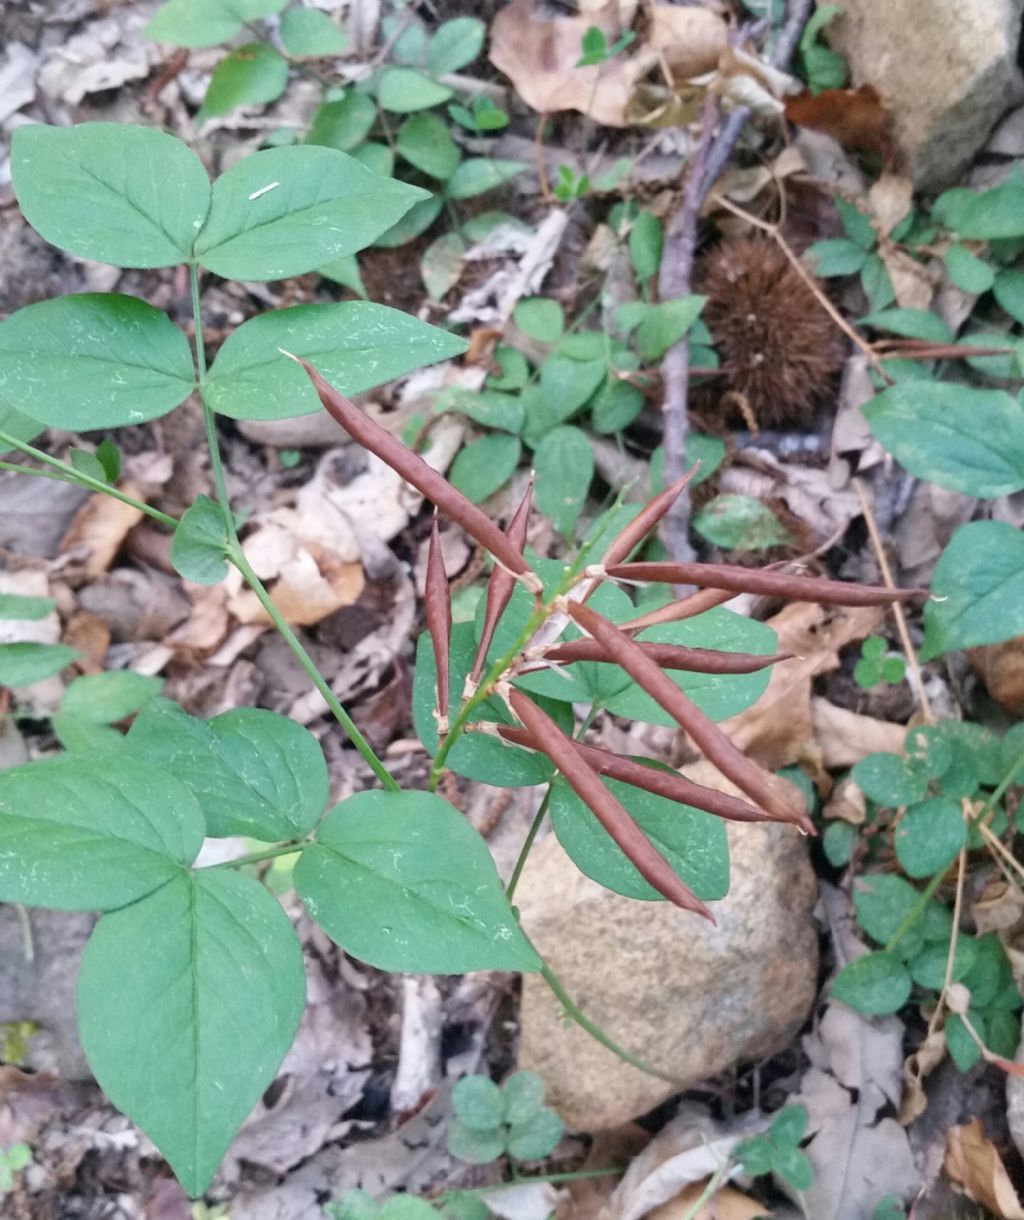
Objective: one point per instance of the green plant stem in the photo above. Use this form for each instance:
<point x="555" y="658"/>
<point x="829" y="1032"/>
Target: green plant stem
<point x="595" y="1031"/>
<point x="66" y="473"/>
<point x="236" y="556"/>
<point x="271" y="853"/>
<point x="524" y="851"/>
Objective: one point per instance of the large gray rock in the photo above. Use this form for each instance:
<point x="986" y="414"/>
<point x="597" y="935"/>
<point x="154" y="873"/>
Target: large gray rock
<point x="689" y="999"/>
<point x="945" y="67"/>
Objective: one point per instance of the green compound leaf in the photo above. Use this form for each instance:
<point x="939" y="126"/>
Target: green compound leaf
<point x="536" y="1138"/>
<point x="891" y="780"/>
<point x="884" y="903"/>
<point x="140" y="196"/>
<point x="718" y="696"/>
<point x="94" y="360"/>
<point x="254" y="773"/>
<point x="789" y="1126"/>
<point x="205" y="23"/>
<point x="455" y="44"/>
<point x="402" y="881"/>
<point x="18" y="608"/>
<point x="485" y="465"/>
<point x="252" y="75"/>
<point x="967" y="439"/>
<point x="564" y="465"/>
<point x="285" y="211"/>
<point x="81" y="834"/>
<point x="876" y="984"/>
<point x="977" y="590"/>
<point x="23" y="664"/>
<point x="109" y="697"/>
<point x="344" y="123"/>
<point x="756" y="1155"/>
<point x="200" y="543"/>
<point x="403" y="90"/>
<point x="692" y="841"/>
<point x="424" y="141"/>
<point x="929" y="836"/>
<point x="793" y="1167"/>
<point x="187" y="1003"/>
<point x="740" y="523"/>
<point x="311" y="33"/>
<point x="928" y="967"/>
<point x="476" y="175"/>
<point x="478" y="1103"/>
<point x="355" y="345"/>
<point x="523" y="1097"/>
<point x="475" y="1147"/>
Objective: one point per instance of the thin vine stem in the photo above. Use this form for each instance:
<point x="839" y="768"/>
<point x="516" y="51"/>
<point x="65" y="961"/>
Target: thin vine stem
<point x="524" y="851"/>
<point x="68" y="474"/>
<point x="271" y="853"/>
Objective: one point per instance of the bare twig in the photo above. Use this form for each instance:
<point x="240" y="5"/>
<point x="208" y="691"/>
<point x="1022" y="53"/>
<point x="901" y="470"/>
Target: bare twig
<point x="676" y="275"/>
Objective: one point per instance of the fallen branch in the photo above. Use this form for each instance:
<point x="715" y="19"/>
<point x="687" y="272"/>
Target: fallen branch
<point x="676" y="275"/>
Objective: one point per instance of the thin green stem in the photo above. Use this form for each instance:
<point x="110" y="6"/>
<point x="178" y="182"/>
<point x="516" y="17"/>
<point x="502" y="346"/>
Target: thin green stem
<point x="255" y="857"/>
<point x="707" y="1194"/>
<point x="68" y="474"/>
<point x="236" y="556"/>
<point x="524" y="851"/>
<point x="595" y="1031"/>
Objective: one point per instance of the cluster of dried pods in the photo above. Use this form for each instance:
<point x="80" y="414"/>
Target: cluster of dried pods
<point x="582" y="765"/>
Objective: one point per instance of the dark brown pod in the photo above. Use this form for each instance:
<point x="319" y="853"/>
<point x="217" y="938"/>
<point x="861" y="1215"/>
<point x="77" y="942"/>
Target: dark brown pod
<point x="670" y="656"/>
<point x="437" y="598"/>
<point x="501" y="584"/>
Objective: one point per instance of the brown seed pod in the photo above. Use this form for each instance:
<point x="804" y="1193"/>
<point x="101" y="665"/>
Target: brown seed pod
<point x="779" y="349"/>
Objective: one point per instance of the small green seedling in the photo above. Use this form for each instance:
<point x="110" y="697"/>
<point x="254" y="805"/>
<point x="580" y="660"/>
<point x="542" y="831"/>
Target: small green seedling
<point x="358" y="1205"/>
<point x="492" y="1122"/>
<point x="778" y="1152"/>
<point x="595" y="49"/>
<point x="877" y="667"/>
<point x="13" y="1159"/>
<point x="570" y="185"/>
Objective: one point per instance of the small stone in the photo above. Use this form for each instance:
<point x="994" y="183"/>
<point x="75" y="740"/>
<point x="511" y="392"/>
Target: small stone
<point x="945" y="69"/>
<point x="690" y="999"/>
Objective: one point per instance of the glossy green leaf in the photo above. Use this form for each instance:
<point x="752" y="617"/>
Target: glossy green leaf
<point x="875" y="984"/>
<point x="79" y="834"/>
<point x="23" y="664"/>
<point x="485" y="465"/>
<point x="254" y="772"/>
<point x="564" y="466"/>
<point x="200" y="542"/>
<point x="424" y="141"/>
<point x="140" y="196"/>
<point x="740" y="523"/>
<point x="929" y="836"/>
<point x="403" y="90"/>
<point x="476" y="175"/>
<point x="345" y="271"/>
<point x="187" y="1003"/>
<point x="454" y="44"/>
<point x="285" y="211"/>
<point x="310" y="32"/>
<point x="540" y="317"/>
<point x="478" y="1103"/>
<point x="417" y="220"/>
<point x="692" y="841"/>
<point x="378" y="159"/>
<point x="108" y="697"/>
<point x="94" y="360"/>
<point x="977" y="590"/>
<point x="16" y="607"/>
<point x="537" y="1138"/>
<point x="967" y="271"/>
<point x="718" y="696"/>
<point x="963" y="438"/>
<point x="344" y="123"/>
<point x="402" y="881"/>
<point x="252" y="75"/>
<point x="205" y="23"/>
<point x="475" y="755"/>
<point x="355" y="345"/>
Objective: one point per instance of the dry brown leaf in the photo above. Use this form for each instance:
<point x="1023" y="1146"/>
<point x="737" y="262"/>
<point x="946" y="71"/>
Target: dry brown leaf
<point x="1001" y="668"/>
<point x="856" y="118"/>
<point x="891" y="198"/>
<point x="973" y="1164"/>
<point x="912" y="282"/>
<point x="998" y="908"/>
<point x="927" y="1057"/>
<point x="846" y="737"/>
<point x="89" y="636"/>
<point x="100" y="526"/>
<point x="727" y="1204"/>
<point x="207" y="625"/>
<point x="539" y="56"/>
<point x="779" y="728"/>
<point x="847" y="803"/>
<point x="689" y="40"/>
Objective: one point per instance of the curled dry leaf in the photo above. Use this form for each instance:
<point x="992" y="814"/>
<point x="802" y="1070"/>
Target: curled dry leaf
<point x="855" y="118"/>
<point x="539" y="54"/>
<point x="973" y="1164"/>
<point x="100" y="526"/>
<point x="1001" y="668"/>
<point x="846" y="737"/>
